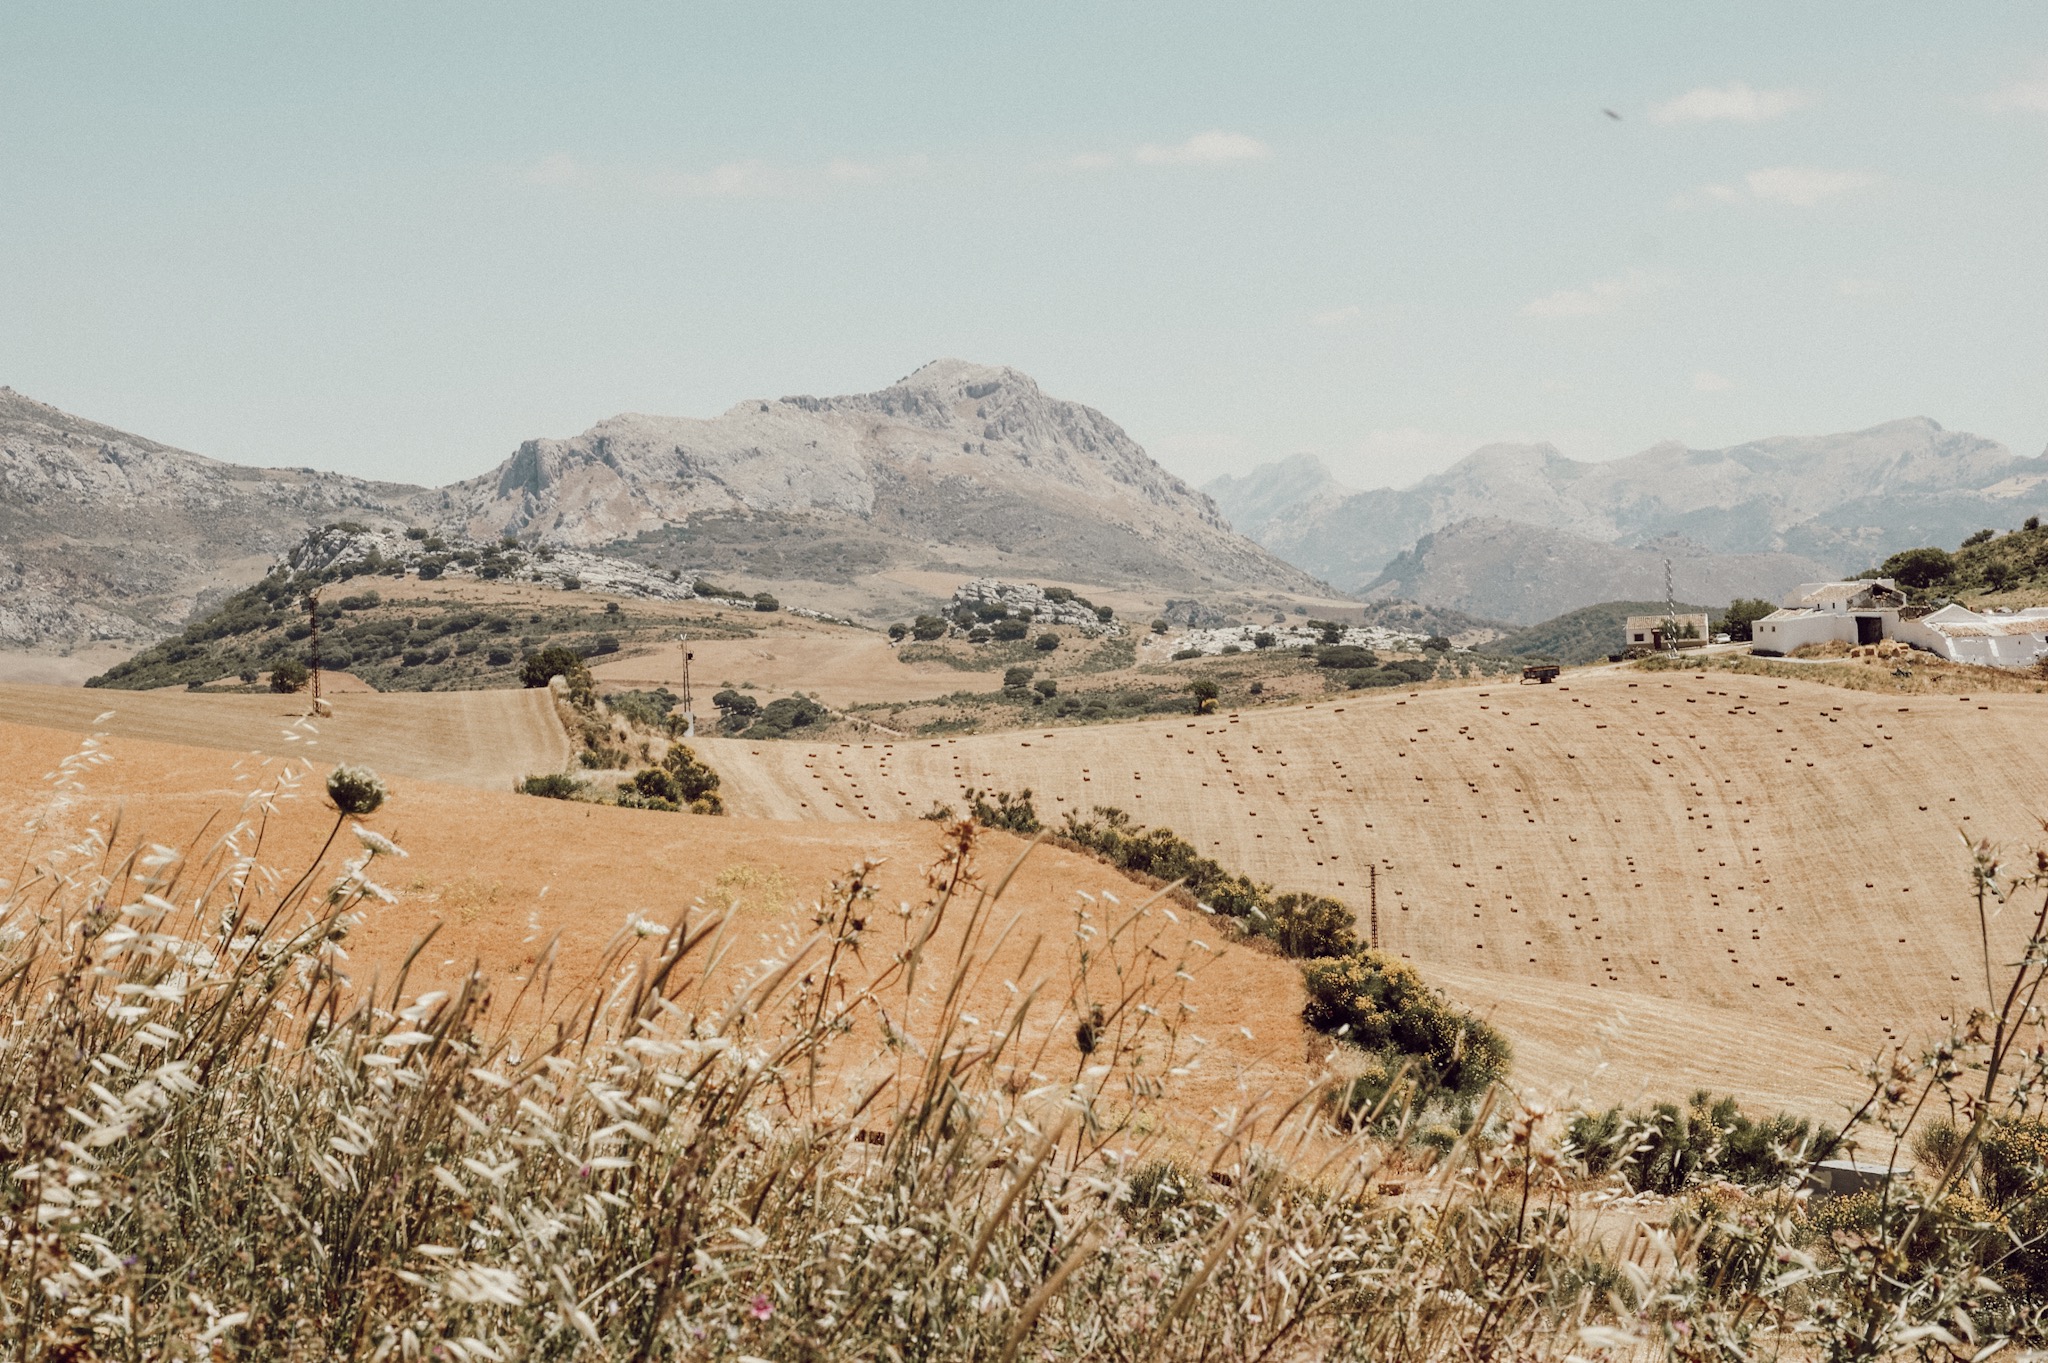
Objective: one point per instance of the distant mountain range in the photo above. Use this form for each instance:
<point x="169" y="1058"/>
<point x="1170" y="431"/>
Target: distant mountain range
<point x="1521" y="532"/>
<point x="958" y="468"/>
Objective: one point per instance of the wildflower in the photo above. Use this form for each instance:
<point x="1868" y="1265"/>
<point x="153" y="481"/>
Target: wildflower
<point x="355" y="790"/>
<point x="376" y="842"/>
<point x="761" y="1308"/>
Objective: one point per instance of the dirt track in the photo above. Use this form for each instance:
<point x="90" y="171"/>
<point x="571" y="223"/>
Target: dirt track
<point x="1760" y="877"/>
<point x="488" y="739"/>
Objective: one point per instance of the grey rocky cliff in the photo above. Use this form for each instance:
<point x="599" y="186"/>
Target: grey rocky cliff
<point x="956" y="455"/>
<point x="108" y="536"/>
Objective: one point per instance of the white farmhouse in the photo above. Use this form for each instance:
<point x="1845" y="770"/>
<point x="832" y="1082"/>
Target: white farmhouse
<point x="1862" y="612"/>
<point x="1997" y="638"/>
<point x="1870" y="611"/>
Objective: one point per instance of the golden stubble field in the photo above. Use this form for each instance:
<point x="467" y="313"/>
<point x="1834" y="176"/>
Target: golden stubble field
<point x="497" y="877"/>
<point x="1652" y="882"/>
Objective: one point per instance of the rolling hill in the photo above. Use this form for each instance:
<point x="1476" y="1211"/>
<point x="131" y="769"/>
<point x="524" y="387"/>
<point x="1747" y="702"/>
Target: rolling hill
<point x="1653" y="881"/>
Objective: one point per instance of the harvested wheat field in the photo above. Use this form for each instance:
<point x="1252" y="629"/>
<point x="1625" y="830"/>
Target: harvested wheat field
<point x="497" y="876"/>
<point x="842" y="666"/>
<point x="488" y="739"/>
<point x="1650" y="881"/>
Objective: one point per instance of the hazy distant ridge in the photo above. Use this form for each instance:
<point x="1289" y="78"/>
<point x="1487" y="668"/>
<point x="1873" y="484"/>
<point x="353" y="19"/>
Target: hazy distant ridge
<point x="1786" y="505"/>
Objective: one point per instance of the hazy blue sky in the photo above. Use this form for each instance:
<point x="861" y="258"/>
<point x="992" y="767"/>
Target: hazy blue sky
<point x="397" y="239"/>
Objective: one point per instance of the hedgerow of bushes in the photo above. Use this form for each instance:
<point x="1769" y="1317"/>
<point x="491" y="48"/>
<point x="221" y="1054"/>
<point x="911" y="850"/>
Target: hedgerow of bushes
<point x="1363" y="997"/>
<point x="1669" y="1148"/>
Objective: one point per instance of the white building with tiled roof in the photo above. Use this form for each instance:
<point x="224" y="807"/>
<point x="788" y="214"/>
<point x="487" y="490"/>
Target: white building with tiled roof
<point x="1996" y="638"/>
<point x="1861" y="612"/>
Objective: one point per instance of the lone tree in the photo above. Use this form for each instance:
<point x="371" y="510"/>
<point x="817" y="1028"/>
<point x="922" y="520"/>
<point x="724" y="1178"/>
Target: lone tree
<point x="1205" y="691"/>
<point x="287" y="675"/>
<point x="694" y="779"/>
<point x="1920" y="569"/>
<point x="542" y="667"/>
<point x="1743" y="612"/>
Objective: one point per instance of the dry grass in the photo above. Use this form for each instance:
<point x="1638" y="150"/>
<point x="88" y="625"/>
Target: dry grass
<point x="220" y="1145"/>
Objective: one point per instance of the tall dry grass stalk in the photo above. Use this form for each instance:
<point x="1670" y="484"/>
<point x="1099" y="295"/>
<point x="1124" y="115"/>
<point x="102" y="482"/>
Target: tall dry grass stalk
<point x="219" y="1144"/>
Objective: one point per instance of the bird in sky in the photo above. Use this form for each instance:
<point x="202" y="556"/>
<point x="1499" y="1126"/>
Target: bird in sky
<point x="1611" y="114"/>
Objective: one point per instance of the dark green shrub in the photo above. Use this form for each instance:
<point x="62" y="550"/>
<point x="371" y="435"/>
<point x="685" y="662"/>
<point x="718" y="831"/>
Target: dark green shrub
<point x="1308" y="925"/>
<point x="654" y="783"/>
<point x="1181" y="655"/>
<point x="1669" y="1148"/>
<point x="1047" y="687"/>
<point x="288" y="675"/>
<point x="648" y="709"/>
<point x="764" y="602"/>
<point x="1922" y="569"/>
<point x="1046" y="643"/>
<point x="1002" y="809"/>
<point x="553" y="785"/>
<point x="1372" y="1000"/>
<point x="692" y="776"/>
<point x="1009" y="631"/>
<point x="539" y="668"/>
<point x="779" y="717"/>
<point x="1016" y="676"/>
<point x="1345" y="656"/>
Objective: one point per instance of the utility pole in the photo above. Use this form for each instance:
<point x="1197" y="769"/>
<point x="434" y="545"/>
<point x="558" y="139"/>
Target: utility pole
<point x="1670" y="611"/>
<point x="1374" y="879"/>
<point x="313" y="619"/>
<point x="689" y="703"/>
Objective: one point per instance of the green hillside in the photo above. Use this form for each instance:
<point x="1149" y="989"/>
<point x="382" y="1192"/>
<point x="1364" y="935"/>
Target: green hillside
<point x="1585" y="635"/>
